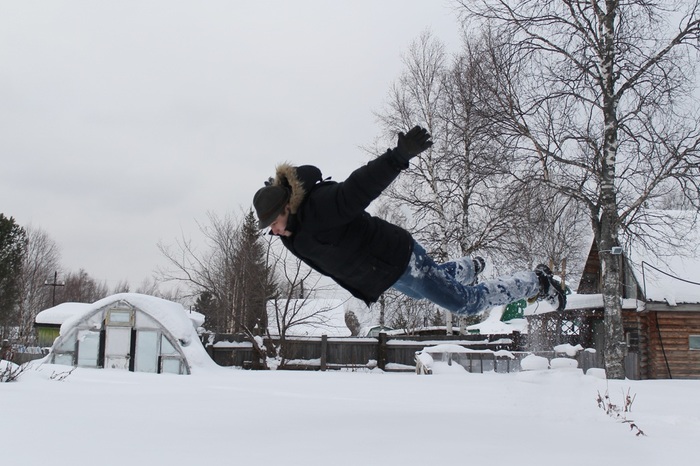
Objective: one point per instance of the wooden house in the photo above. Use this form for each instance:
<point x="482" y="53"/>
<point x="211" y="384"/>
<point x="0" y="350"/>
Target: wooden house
<point x="47" y="323"/>
<point x="661" y="306"/>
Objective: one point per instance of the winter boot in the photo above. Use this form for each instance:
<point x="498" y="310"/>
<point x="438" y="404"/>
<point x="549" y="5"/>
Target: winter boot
<point x="550" y="288"/>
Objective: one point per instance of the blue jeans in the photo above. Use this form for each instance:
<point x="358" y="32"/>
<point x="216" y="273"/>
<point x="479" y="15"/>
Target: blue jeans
<point x="424" y="279"/>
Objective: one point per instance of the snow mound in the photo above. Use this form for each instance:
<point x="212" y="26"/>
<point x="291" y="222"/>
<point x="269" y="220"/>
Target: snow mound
<point x="445" y="368"/>
<point x="563" y="363"/>
<point x="597" y="373"/>
<point x="568" y="349"/>
<point x="534" y="363"/>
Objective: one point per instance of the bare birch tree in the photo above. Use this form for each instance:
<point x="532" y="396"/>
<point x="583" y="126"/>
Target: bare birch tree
<point x="454" y="190"/>
<point x="41" y="262"/>
<point x="465" y="196"/>
<point x="80" y="287"/>
<point x="597" y="97"/>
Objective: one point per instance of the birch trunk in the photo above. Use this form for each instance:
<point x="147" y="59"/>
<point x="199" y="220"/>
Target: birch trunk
<point x="609" y="221"/>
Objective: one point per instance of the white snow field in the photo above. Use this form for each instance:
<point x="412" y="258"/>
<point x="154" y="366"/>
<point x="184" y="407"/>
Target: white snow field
<point x="229" y="416"/>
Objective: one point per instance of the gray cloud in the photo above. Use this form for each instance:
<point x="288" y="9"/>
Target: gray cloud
<point x="122" y="123"/>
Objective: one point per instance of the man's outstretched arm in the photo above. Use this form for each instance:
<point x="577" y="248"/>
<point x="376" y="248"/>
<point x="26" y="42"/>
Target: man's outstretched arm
<point x="365" y="184"/>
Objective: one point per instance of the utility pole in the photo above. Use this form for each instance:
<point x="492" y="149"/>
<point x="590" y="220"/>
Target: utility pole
<point x="54" y="285"/>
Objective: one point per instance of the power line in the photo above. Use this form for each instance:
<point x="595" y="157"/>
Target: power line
<point x="668" y="274"/>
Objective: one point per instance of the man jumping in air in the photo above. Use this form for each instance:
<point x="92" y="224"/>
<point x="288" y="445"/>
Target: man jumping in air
<point x="326" y="225"/>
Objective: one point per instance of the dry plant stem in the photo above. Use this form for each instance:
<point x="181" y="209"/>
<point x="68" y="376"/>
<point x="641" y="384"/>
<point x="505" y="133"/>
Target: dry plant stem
<point x="617" y="412"/>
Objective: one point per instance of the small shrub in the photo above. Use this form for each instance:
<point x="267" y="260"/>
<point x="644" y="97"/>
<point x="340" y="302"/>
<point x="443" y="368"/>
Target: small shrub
<point x="620" y="412"/>
<point x="10" y="372"/>
<point x="61" y="376"/>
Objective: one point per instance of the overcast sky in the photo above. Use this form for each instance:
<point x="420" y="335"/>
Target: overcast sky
<point x="123" y="123"/>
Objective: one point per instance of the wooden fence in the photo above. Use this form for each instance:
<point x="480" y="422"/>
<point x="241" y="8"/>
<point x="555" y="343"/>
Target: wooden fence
<point x="499" y="353"/>
<point x="19" y="354"/>
<point x="391" y="353"/>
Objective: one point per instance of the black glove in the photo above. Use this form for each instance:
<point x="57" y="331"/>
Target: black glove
<point x="412" y="143"/>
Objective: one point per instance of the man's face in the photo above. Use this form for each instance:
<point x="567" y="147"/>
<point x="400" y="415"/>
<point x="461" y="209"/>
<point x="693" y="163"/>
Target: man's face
<point x="279" y="226"/>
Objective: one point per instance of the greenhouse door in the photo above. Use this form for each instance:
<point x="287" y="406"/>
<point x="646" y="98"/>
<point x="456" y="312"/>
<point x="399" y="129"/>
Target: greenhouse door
<point x="146" y="351"/>
<point x="117" y="347"/>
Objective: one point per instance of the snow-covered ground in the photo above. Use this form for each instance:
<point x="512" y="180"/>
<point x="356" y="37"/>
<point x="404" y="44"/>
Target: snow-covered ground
<point x="228" y="416"/>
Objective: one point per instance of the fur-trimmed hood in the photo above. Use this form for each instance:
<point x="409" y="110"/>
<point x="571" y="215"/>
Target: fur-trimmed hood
<point x="299" y="180"/>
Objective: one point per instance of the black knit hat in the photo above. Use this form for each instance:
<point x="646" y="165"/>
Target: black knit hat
<point x="269" y="202"/>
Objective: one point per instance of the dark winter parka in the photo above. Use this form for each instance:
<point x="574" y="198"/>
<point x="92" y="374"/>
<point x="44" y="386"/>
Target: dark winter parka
<point x="333" y="234"/>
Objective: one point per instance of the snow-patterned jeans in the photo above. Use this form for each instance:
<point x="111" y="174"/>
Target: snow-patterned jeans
<point x="447" y="284"/>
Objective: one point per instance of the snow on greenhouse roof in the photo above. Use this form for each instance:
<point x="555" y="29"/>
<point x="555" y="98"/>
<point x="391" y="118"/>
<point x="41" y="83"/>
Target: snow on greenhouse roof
<point x="60" y="313"/>
<point x="172" y="316"/>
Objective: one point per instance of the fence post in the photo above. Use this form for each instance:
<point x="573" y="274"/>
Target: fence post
<point x="382" y="350"/>
<point x="324" y="351"/>
<point x="6" y="350"/>
<point x="517" y="342"/>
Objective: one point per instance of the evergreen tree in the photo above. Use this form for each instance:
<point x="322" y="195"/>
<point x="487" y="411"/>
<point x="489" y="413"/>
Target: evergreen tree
<point x="233" y="279"/>
<point x="13" y="244"/>
<point x="252" y="278"/>
<point x="206" y="304"/>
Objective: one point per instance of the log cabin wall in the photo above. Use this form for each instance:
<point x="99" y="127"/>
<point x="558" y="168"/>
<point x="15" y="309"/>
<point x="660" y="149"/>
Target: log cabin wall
<point x="669" y="350"/>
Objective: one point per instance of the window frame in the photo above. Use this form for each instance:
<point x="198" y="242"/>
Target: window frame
<point x="694" y="342"/>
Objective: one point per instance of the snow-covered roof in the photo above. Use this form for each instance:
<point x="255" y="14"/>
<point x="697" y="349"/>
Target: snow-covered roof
<point x="493" y="325"/>
<point x="577" y="301"/>
<point x="58" y="314"/>
<point x="316" y="316"/>
<point x="668" y="273"/>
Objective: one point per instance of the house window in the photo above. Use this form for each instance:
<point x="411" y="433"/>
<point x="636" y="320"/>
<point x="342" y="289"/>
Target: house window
<point x="694" y="342"/>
